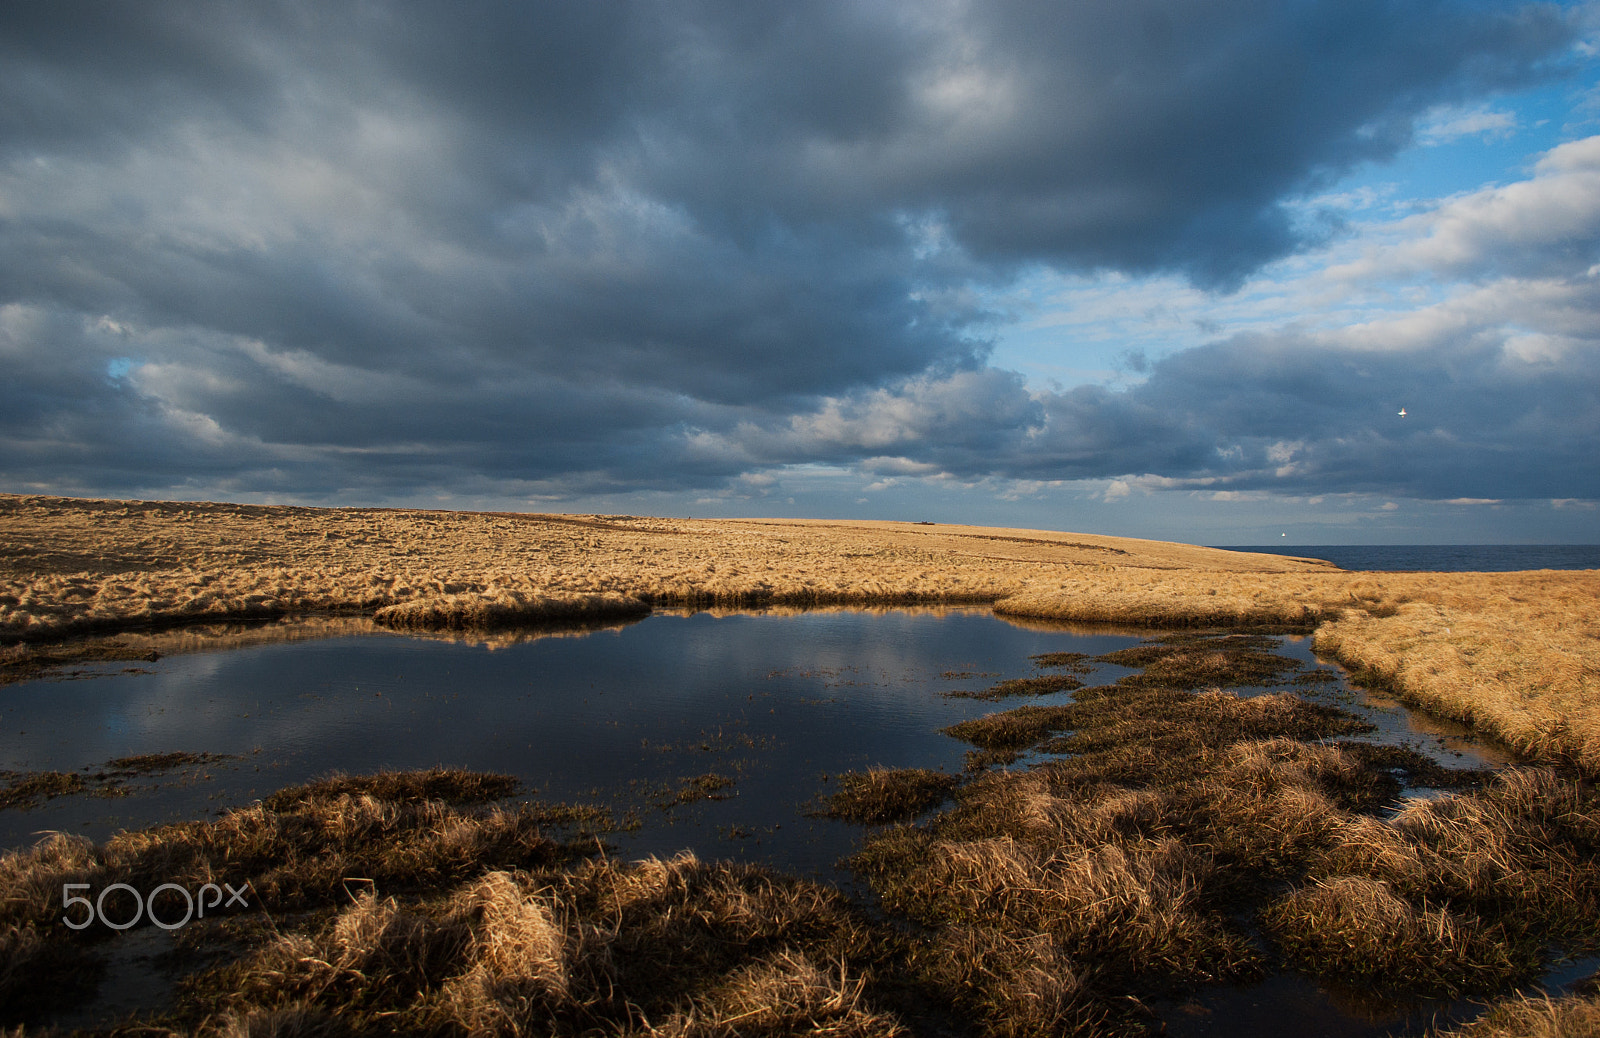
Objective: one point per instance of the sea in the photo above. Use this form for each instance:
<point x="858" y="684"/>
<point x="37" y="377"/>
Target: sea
<point x="1439" y="558"/>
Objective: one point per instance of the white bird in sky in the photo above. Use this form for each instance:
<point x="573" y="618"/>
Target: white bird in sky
<point x="1402" y="412"/>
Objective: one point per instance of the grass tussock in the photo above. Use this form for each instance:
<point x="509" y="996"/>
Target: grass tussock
<point x="1575" y="1016"/>
<point x="670" y="947"/>
<point x="299" y="852"/>
<point x="1188" y="837"/>
<point x="1013" y="729"/>
<point x="881" y="795"/>
<point x="1356" y="927"/>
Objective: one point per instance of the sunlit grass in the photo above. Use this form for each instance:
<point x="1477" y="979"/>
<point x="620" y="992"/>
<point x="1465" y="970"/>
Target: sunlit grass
<point x="1516" y="655"/>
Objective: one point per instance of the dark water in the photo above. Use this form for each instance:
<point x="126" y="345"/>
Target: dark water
<point x="1440" y="558"/>
<point x="776" y="702"/>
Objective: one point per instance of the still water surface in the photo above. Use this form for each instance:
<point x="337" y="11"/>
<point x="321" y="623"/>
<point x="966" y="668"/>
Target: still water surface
<point x="774" y="701"/>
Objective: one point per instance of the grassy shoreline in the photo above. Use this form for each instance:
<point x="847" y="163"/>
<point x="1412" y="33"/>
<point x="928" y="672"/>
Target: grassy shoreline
<point x="1515" y="655"/>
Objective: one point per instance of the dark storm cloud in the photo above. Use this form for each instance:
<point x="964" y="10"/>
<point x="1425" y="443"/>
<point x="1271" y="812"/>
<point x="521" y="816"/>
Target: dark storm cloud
<point x="326" y="248"/>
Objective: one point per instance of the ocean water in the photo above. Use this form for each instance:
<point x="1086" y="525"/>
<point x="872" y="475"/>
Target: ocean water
<point x="1440" y="558"/>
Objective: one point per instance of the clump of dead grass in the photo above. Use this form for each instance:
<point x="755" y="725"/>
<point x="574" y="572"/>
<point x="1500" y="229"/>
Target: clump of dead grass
<point x="300" y="851"/>
<point x="881" y="795"/>
<point x="672" y="947"/>
<point x="1012" y="729"/>
<point x="1575" y="1016"/>
<point x="1356" y="927"/>
<point x="1179" y="827"/>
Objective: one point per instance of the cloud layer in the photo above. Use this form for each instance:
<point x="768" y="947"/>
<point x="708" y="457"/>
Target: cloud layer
<point x="343" y="250"/>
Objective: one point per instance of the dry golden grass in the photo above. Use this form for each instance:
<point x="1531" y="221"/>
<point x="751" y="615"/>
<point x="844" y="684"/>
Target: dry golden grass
<point x="674" y="948"/>
<point x="1576" y="1016"/>
<point x="1179" y="822"/>
<point x="1514" y="654"/>
<point x="70" y="565"/>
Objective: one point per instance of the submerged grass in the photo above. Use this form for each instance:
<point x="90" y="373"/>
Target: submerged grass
<point x="1040" y="686"/>
<point x="31" y="788"/>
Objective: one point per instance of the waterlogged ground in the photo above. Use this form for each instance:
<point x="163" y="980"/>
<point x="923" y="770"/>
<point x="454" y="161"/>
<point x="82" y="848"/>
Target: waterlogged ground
<point x="622" y="717"/>
<point x="723" y="735"/>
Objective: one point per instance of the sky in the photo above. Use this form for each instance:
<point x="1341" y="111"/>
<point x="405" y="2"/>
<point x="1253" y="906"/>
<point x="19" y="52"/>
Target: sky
<point x="1131" y="267"/>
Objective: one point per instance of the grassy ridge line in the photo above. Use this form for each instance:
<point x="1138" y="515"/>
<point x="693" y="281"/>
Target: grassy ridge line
<point x="1514" y="654"/>
<point x="70" y="567"/>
